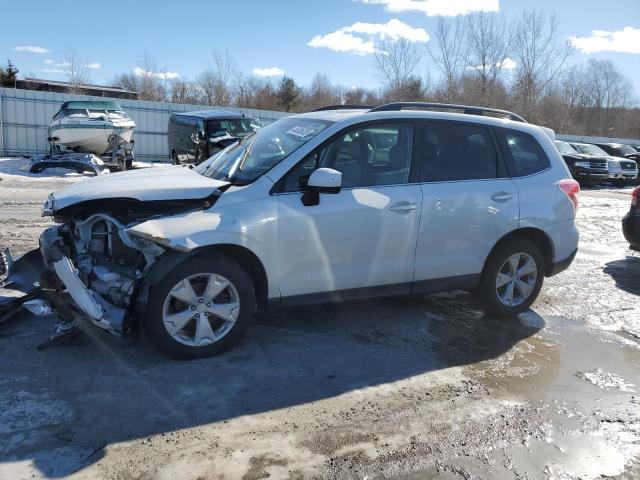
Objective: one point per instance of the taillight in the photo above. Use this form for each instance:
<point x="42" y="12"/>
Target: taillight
<point x="572" y="189"/>
<point x="634" y="197"/>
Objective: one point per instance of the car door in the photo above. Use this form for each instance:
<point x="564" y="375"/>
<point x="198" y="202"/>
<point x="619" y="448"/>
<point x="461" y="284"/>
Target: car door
<point x="363" y="236"/>
<point x="469" y="202"/>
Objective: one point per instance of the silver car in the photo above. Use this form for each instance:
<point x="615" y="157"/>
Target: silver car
<point x="323" y="206"/>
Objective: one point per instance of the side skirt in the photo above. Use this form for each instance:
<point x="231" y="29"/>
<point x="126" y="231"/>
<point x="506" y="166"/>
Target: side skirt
<point x="462" y="282"/>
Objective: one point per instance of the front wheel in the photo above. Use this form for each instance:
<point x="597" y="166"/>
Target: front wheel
<point x="512" y="279"/>
<point x="201" y="308"/>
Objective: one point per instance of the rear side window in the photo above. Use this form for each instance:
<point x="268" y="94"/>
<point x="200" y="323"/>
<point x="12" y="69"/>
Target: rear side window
<point x="524" y="154"/>
<point x="457" y="151"/>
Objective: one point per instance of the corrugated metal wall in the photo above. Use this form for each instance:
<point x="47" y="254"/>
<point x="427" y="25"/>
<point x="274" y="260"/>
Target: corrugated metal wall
<point x="25" y="117"/>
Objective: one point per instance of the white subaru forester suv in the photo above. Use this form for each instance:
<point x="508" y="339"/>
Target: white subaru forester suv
<point x="329" y="205"/>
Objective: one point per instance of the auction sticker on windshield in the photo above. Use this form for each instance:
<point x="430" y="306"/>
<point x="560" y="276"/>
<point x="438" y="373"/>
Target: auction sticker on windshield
<point x="301" y="131"/>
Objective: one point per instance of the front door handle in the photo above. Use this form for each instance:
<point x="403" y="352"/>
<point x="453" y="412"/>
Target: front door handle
<point x="403" y="207"/>
<point x="501" y="196"/>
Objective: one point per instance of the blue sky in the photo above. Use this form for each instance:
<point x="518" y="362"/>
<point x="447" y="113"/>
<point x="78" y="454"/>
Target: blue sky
<point x="270" y="34"/>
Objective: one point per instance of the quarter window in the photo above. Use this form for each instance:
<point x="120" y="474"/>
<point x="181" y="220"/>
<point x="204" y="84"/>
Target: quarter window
<point x="526" y="154"/>
<point x="372" y="156"/>
<point x="456" y="151"/>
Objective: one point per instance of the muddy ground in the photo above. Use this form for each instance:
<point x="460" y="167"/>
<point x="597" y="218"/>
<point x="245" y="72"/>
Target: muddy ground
<point x="399" y="388"/>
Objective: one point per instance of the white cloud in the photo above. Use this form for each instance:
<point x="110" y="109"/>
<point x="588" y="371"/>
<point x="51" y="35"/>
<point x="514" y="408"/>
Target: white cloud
<point x="93" y="65"/>
<point x="507" y="64"/>
<point x="54" y="70"/>
<point x="626" y="40"/>
<point x="444" y="8"/>
<point x="268" y="72"/>
<point x="162" y="75"/>
<point x="48" y="61"/>
<point x="360" y="37"/>
<point x="31" y="49"/>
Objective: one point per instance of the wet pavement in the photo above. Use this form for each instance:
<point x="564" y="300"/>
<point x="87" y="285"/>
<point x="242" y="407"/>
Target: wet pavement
<point x="418" y="387"/>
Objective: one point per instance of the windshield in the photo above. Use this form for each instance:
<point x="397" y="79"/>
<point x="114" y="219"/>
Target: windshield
<point x="244" y="161"/>
<point x="564" y="147"/>
<point x="590" y="149"/>
<point x="624" y="150"/>
<point x="236" y="128"/>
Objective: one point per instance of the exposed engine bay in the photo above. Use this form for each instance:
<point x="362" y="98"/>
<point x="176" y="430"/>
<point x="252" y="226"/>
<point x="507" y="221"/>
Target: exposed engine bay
<point x="91" y="255"/>
<point x="99" y="264"/>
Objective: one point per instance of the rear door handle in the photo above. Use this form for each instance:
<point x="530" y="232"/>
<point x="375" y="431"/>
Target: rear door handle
<point x="501" y="196"/>
<point x="403" y="207"/>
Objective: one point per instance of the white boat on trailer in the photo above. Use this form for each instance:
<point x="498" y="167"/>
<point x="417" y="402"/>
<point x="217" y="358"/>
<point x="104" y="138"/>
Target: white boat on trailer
<point x="90" y="127"/>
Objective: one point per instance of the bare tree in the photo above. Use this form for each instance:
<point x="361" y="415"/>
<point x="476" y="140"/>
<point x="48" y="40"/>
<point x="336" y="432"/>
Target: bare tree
<point x="396" y="60"/>
<point x="152" y="83"/>
<point x="608" y="93"/>
<point x="217" y="81"/>
<point x="320" y="93"/>
<point x="572" y="91"/>
<point x="540" y="55"/>
<point x="487" y="44"/>
<point x="76" y="70"/>
<point x="184" y="91"/>
<point x="447" y="54"/>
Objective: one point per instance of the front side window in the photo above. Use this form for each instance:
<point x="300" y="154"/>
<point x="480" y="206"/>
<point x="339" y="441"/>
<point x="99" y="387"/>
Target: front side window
<point x="375" y="155"/>
<point x="524" y="153"/>
<point x="234" y="127"/>
<point x="457" y="151"/>
<point x="244" y="161"/>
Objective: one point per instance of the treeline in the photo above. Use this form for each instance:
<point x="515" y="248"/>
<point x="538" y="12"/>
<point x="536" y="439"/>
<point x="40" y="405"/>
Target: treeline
<point x="521" y="64"/>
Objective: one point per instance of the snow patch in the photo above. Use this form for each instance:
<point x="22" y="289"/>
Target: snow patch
<point x="606" y="380"/>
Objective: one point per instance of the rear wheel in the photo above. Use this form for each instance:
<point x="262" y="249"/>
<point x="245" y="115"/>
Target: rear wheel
<point x="512" y="279"/>
<point x="201" y="308"/>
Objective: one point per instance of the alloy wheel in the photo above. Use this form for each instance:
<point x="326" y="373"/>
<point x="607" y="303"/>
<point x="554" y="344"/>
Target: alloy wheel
<point x="201" y="309"/>
<point x="516" y="279"/>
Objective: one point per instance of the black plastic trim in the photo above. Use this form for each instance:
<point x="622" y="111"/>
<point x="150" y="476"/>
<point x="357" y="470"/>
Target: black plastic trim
<point x="462" y="282"/>
<point x="562" y="265"/>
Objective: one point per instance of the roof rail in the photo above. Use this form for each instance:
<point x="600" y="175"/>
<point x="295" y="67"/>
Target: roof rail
<point x="467" y="109"/>
<point x="343" y="107"/>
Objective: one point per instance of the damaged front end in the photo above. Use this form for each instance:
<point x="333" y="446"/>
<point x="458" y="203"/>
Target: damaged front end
<point x="98" y="264"/>
<point x="94" y="260"/>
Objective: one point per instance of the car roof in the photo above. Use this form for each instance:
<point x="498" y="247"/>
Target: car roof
<point x="213" y="114"/>
<point x="364" y="114"/>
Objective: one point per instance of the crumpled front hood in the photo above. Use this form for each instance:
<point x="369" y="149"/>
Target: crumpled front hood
<point x="156" y="183"/>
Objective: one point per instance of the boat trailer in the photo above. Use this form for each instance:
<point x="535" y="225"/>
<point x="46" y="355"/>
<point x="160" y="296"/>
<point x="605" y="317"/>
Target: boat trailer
<point x="119" y="157"/>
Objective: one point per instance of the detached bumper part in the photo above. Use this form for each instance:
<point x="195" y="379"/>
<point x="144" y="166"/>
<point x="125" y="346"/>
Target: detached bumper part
<point x="101" y="312"/>
<point x="19" y="281"/>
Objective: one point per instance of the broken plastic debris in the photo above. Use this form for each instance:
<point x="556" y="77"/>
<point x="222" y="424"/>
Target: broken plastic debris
<point x="38" y="307"/>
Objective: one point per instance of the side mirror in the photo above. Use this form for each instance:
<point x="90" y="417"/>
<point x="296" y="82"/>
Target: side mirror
<point x="322" y="180"/>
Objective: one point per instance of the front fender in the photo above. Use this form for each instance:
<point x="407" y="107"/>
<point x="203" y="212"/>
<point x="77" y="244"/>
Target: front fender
<point x="194" y="230"/>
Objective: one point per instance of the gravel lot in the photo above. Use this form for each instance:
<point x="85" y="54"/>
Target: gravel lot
<point x="398" y="388"/>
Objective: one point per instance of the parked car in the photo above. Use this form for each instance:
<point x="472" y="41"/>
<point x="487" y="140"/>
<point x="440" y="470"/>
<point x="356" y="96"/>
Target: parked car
<point x="584" y="168"/>
<point x="195" y="136"/>
<point x="620" y="150"/>
<point x="631" y="221"/>
<point x="621" y="171"/>
<point x="323" y="206"/>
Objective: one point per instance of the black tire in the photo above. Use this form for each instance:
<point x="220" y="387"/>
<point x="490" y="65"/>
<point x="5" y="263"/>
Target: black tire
<point x="174" y="158"/>
<point x="220" y="265"/>
<point x="486" y="295"/>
